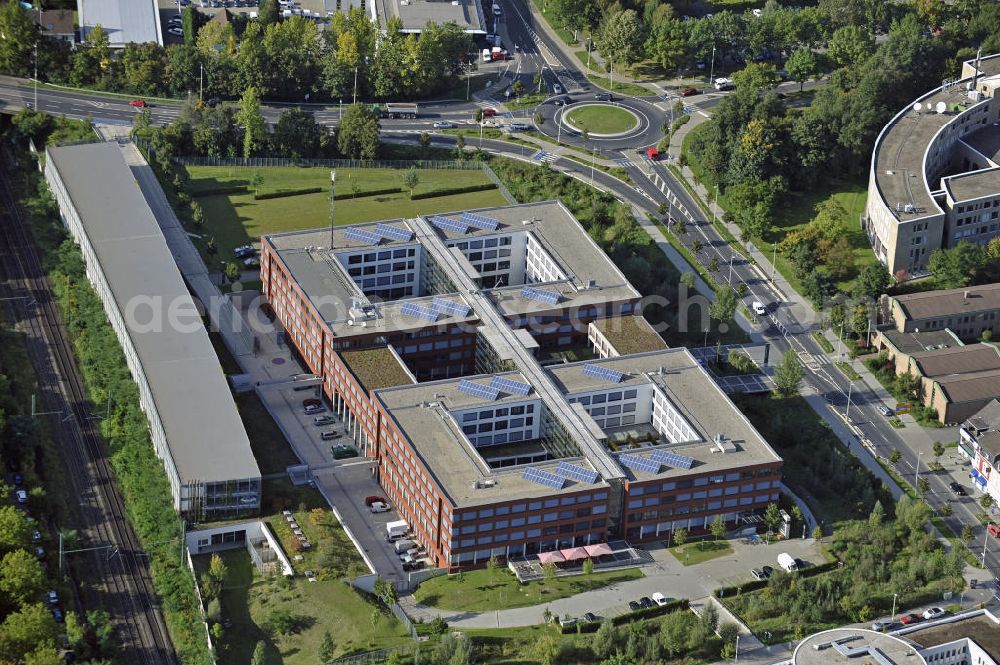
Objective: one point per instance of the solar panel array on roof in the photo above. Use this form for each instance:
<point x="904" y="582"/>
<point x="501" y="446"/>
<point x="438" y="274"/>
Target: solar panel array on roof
<point x="456" y="307"/>
<point x="639" y="463"/>
<point x="477" y="389"/>
<point x="481" y="221"/>
<point x="673" y="459"/>
<point x="541" y="295"/>
<point x="574" y="472"/>
<point x="363" y="235"/>
<point x="418" y="311"/>
<point x="544" y="478"/>
<point x="394" y="232"/>
<point x="449" y="224"/>
<point x="511" y="386"/>
<point x="604" y="373"/>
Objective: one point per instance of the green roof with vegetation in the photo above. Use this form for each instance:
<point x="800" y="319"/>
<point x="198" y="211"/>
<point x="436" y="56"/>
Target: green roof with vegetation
<point x="376" y="368"/>
<point x="630" y="334"/>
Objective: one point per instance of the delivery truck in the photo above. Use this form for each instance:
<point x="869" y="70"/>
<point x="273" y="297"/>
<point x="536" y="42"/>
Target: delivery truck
<point x="395" y="530"/>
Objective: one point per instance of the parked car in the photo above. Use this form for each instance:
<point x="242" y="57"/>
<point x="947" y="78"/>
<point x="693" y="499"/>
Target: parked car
<point x="343" y="452"/>
<point x="660" y="599"/>
<point x="590" y="617"/>
<point x="251" y="262"/>
<point x="563" y="101"/>
<point x="956" y="488"/>
<point x="313" y="409"/>
<point x="757" y="574"/>
<point x="557" y="89"/>
<point x="53" y="598"/>
<point x="880" y="625"/>
<point x="379" y="507"/>
<point x="138" y="103"/>
<point x="768" y="571"/>
<point x="646" y="601"/>
<point x="934" y="613"/>
<point x="176" y="20"/>
<point x="884" y="410"/>
<point x="177" y="32"/>
<point x="36" y="536"/>
<point x="758" y="308"/>
<point x="57" y="614"/>
<point x="444" y="124"/>
<point x="374" y="498"/>
<point x="911" y="618"/>
<point x="993" y="530"/>
<point x="18" y="479"/>
<point x="244" y="251"/>
<point x="634" y="606"/>
<point x="519" y="126"/>
<point x="22" y="496"/>
<point x="489" y="113"/>
<point x="604" y="97"/>
<point x="328" y="435"/>
<point x="689" y="92"/>
<point x="319" y="421"/>
<point x="497" y="11"/>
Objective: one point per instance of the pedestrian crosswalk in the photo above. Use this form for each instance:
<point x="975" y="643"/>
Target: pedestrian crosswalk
<point x="544" y="157"/>
<point x="624" y="162"/>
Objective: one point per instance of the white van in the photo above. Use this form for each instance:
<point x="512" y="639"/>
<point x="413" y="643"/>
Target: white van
<point x="403" y="545"/>
<point x="786" y="561"/>
<point x="660" y="599"/>
<point x="487" y="56"/>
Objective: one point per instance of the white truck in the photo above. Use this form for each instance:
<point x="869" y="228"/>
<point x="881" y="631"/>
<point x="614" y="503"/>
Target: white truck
<point x="723" y="83"/>
<point x="396" y="530"/>
<point x="786" y="561"/>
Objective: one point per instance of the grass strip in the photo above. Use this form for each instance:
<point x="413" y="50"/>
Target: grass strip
<point x="823" y="342"/>
<point x="848" y="370"/>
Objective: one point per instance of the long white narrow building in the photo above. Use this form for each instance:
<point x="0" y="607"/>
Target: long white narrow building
<point x="193" y="420"/>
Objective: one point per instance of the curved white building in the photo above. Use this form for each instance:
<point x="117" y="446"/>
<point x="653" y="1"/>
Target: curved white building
<point x="935" y="172"/>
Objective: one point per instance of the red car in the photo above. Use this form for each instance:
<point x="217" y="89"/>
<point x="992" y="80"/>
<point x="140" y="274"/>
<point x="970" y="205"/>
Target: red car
<point x="312" y="401"/>
<point x="910" y="618"/>
<point x="993" y="530"/>
<point x="369" y="500"/>
<point x="489" y="113"/>
<point x="138" y="103"/>
<point x="689" y="92"/>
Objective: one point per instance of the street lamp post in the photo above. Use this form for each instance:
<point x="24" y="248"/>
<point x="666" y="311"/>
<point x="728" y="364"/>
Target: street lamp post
<point x="715" y="205"/>
<point x="850" y="388"/>
<point x="893" y="613"/>
<point x="36" y="76"/>
<point x="590" y="46"/>
<point x="731" y="270"/>
<point x="711" y="74"/>
<point x="611" y="59"/>
<point x="593" y="161"/>
<point x="355" y="85"/>
<point x="916" y="475"/>
<point x="774" y="259"/>
<point x="986" y="540"/>
<point x="201" y="81"/>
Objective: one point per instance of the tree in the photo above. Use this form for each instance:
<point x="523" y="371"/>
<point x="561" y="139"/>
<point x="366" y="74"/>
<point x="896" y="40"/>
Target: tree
<point x="588" y="565"/>
<point x="756" y="77"/>
<point x="259" y="652"/>
<point x="938" y="449"/>
<point x="850" y="45"/>
<point x="923" y="486"/>
<point x="410" y="180"/>
<point x="605" y="638"/>
<point x="14" y="530"/>
<point x="267" y="12"/>
<point x="297" y="134"/>
<point x="549" y="571"/>
<point x="947" y="510"/>
<point x="871" y="281"/>
<point x="788" y="375"/>
<point x="327" y="648"/>
<point x="696" y="247"/>
<point x="546" y="649"/>
<point x="460" y="147"/>
<point x="252" y="121"/>
<point x="723" y="308"/>
<point x="772" y="516"/>
<point x="25" y="630"/>
<point x="21" y="577"/>
<point x="713" y="263"/>
<point x="232" y="272"/>
<point x="802" y="65"/>
<point x="708" y="618"/>
<point x="425" y="140"/>
<point x="956" y="266"/>
<point x="718" y="527"/>
<point x="895" y="456"/>
<point x="986" y="336"/>
<point x="517" y="89"/>
<point x="728" y="632"/>
<point x="18" y="35"/>
<point x="967" y="533"/>
<point x="986" y="502"/>
<point x="687" y="279"/>
<point x="44" y="655"/>
<point x="620" y="36"/>
<point x="667" y="41"/>
<point x="680" y="536"/>
<point x="358" y="134"/>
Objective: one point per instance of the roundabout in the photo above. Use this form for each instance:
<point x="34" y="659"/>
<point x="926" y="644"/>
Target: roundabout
<point x="601" y="120"/>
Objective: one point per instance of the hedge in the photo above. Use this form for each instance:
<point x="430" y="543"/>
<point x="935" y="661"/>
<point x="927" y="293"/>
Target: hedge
<point x="628" y="617"/>
<point x="287" y="192"/>
<point x="754" y="585"/>
<point x="454" y="190"/>
<point x="220" y="191"/>
<point x="369" y="192"/>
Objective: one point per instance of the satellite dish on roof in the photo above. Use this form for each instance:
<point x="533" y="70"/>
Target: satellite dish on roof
<point x="929" y="106"/>
<point x="940" y="107"/>
<point x="917" y="107"/>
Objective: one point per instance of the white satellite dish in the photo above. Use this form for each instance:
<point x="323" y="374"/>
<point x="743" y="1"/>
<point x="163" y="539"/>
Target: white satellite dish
<point x="929" y="106"/>
<point x="917" y="107"/>
<point x="940" y="107"/>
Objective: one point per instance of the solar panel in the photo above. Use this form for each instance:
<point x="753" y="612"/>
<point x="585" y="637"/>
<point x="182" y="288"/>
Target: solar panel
<point x="418" y="312"/>
<point x="477" y="389"/>
<point x="640" y="463"/>
<point x="574" y="472"/>
<point x="449" y="224"/>
<point x="481" y="221"/>
<point x="511" y="386"/>
<point x="604" y="373"/>
<point x="544" y="478"/>
<point x="456" y="307"/>
<point x="673" y="459"/>
<point x="541" y="295"/>
<point x="394" y="232"/>
<point x="363" y="236"/>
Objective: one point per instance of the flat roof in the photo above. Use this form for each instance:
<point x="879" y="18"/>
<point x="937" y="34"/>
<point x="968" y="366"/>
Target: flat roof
<point x="949" y="302"/>
<point x="982" y="629"/>
<point x="914" y="342"/>
<point x="975" y="185"/>
<point x="204" y="432"/>
<point x="957" y="360"/>
<point x="57" y="21"/>
<point x="422" y="412"/>
<point x="855" y="646"/>
<point x="415" y="14"/>
<point x="969" y="387"/>
<point x="985" y="141"/>
<point x="377" y="367"/>
<point x="630" y="334"/>
<point x="901" y="147"/>
<point x="690" y="389"/>
<point x="124" y="20"/>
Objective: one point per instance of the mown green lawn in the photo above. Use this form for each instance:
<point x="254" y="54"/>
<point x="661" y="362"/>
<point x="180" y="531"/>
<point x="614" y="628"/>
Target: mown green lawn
<point x="236" y="219"/>
<point x="602" y="119"/>
<point x="691" y="554"/>
<point x="480" y="590"/>
<point x="248" y="601"/>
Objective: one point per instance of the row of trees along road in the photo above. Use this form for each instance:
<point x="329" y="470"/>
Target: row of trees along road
<point x="290" y="59"/>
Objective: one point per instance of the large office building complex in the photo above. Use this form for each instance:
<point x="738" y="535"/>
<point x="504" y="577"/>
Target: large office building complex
<point x="935" y="172"/>
<point x="441" y="343"/>
<point x="193" y="421"/>
<point x="125" y="21"/>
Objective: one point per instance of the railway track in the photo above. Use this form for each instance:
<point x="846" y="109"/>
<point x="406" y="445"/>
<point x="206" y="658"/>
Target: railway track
<point x="119" y="567"/>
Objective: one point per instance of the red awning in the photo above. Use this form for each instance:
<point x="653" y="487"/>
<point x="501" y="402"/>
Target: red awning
<point x="574" y="553"/>
<point x="598" y="550"/>
<point x="550" y="557"/>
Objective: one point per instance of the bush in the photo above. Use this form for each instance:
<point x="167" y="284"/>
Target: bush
<point x="221" y="191"/>
<point x="370" y="192"/>
<point x="454" y="190"/>
<point x="287" y="192"/>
